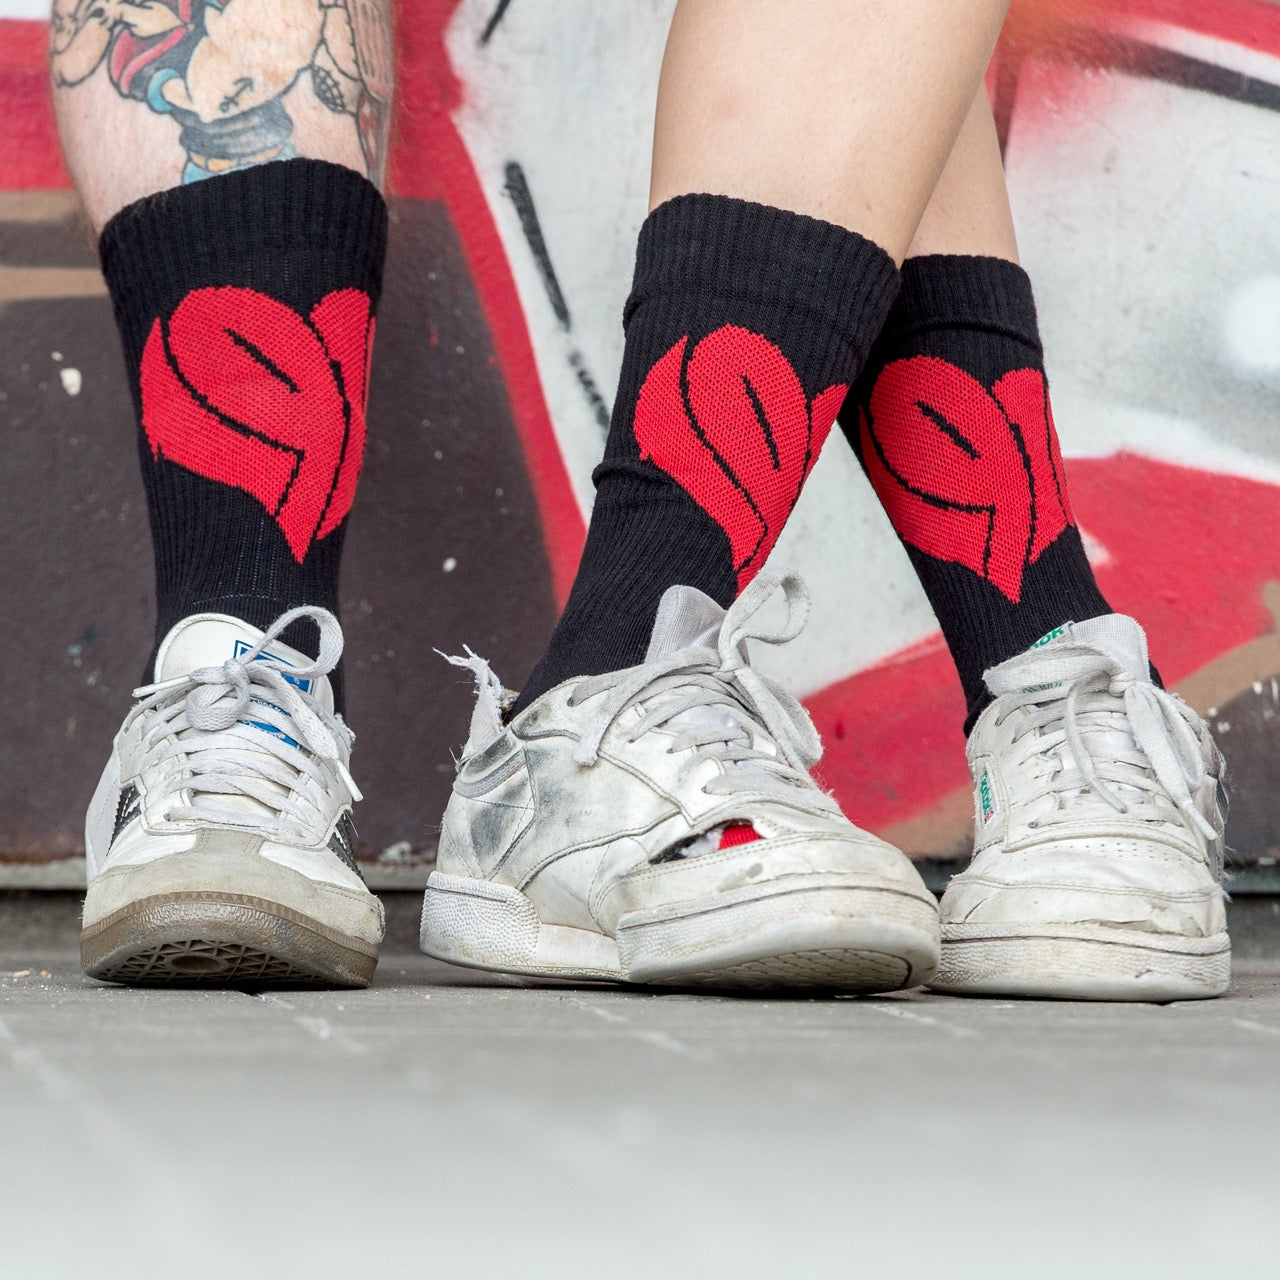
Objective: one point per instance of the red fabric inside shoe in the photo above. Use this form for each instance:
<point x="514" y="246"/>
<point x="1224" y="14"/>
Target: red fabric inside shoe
<point x="738" y="833"/>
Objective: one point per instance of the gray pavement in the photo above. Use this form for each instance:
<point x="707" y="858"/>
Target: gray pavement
<point x="444" y="1123"/>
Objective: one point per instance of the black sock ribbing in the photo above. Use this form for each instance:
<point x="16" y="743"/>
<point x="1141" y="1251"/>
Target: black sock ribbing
<point x="951" y="419"/>
<point x="245" y="305"/>
<point x="744" y="326"/>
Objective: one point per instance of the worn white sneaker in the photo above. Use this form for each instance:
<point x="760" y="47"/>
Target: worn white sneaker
<point x="658" y="825"/>
<point x="219" y="841"/>
<point x="1099" y="832"/>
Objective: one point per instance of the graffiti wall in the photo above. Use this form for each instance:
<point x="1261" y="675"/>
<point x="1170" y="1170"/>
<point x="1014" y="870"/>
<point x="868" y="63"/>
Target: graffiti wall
<point x="1142" y="141"/>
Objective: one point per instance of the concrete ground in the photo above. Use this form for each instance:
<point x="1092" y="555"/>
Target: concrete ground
<point x="448" y="1124"/>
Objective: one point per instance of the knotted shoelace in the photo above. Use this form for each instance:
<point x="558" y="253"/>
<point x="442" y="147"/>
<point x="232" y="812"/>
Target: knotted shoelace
<point x="1128" y="742"/>
<point x="242" y="729"/>
<point x="717" y="703"/>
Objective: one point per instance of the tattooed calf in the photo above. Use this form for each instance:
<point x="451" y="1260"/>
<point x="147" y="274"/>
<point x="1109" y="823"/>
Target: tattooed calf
<point x="224" y="70"/>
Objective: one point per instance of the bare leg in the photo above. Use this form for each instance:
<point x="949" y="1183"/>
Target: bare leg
<point x="144" y="104"/>
<point x="968" y="212"/>
<point x="845" y="110"/>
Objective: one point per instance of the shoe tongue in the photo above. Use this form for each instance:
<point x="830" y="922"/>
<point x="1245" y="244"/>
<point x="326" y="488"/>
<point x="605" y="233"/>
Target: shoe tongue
<point x="685" y="617"/>
<point x="1123" y="640"/>
<point x="210" y="639"/>
<point x="1117" y="635"/>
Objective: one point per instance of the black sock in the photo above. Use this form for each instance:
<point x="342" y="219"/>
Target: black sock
<point x="744" y="327"/>
<point x="951" y="419"/>
<point x="245" y="304"/>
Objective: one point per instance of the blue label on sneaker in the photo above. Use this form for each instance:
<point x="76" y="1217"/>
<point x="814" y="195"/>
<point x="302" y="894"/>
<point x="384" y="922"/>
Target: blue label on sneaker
<point x="242" y="647"/>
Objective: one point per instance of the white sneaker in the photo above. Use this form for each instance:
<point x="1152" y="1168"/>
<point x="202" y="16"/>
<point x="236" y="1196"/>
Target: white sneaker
<point x="219" y="841"/>
<point x="658" y="825"/>
<point x="1099" y="832"/>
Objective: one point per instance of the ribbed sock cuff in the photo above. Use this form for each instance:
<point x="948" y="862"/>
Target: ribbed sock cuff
<point x="958" y="291"/>
<point x="734" y="250"/>
<point x="259" y="228"/>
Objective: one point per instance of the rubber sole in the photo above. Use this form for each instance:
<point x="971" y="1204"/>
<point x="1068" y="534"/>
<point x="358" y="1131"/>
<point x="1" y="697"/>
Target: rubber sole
<point x="783" y="936"/>
<point x="221" y="939"/>
<point x="1083" y="962"/>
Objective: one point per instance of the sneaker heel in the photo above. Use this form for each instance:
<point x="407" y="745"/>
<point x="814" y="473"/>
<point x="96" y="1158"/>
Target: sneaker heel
<point x="493" y="926"/>
<point x="477" y="922"/>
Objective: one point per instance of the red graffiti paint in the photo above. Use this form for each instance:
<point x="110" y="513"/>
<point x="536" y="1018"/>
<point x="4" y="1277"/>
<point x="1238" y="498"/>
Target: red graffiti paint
<point x="892" y="735"/>
<point x="239" y="388"/>
<point x="30" y="156"/>
<point x="731" y="424"/>
<point x="967" y="475"/>
<point x="1062" y="25"/>
<point x="1062" y="57"/>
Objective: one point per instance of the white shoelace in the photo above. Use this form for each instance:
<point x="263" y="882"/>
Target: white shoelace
<point x="718" y="703"/>
<point x="1129" y="743"/>
<point x="220" y="734"/>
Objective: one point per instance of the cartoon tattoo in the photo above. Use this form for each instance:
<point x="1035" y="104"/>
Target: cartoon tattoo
<point x="223" y="70"/>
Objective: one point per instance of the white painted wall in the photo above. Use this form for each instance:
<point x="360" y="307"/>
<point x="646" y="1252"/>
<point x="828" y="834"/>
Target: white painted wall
<point x="24" y="9"/>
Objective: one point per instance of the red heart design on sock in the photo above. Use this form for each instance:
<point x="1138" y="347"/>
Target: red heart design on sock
<point x="1024" y="397"/>
<point x="965" y="475"/>
<point x="239" y="388"/>
<point x="731" y="424"/>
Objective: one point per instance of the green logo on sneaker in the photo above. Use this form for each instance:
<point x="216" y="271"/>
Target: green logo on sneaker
<point x="1058" y="633"/>
<point x="984" y="798"/>
<point x="1050" y="637"/>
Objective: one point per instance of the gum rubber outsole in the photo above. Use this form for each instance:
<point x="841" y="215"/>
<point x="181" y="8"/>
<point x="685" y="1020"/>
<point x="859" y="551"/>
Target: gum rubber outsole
<point x="223" y="940"/>
<point x="833" y="969"/>
<point x="1076" y="967"/>
<point x="824" y="938"/>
